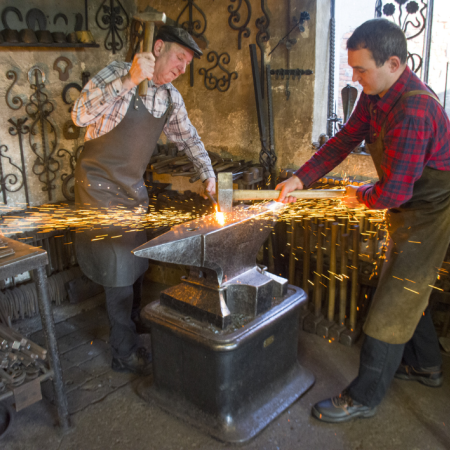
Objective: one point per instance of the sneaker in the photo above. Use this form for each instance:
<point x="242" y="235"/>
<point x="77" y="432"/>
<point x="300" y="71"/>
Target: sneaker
<point x="139" y="362"/>
<point x="432" y="377"/>
<point x="341" y="409"/>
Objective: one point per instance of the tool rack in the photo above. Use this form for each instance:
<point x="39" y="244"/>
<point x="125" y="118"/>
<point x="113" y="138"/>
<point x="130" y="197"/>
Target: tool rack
<point x="27" y="258"/>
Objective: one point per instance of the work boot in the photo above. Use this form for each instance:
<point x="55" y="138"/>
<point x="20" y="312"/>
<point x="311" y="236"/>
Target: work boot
<point x="432" y="376"/>
<point x="341" y="409"/>
<point x="139" y="362"/>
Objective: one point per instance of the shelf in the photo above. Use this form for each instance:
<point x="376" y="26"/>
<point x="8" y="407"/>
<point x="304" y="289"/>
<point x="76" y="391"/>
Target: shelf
<point x="54" y="45"/>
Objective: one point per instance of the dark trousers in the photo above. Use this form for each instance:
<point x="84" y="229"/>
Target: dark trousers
<point x="123" y="306"/>
<point x="379" y="361"/>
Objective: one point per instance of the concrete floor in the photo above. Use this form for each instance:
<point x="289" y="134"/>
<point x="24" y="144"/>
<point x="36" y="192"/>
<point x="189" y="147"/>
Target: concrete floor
<point x="412" y="416"/>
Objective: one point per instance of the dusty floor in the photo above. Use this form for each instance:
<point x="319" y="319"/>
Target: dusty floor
<point x="107" y="413"/>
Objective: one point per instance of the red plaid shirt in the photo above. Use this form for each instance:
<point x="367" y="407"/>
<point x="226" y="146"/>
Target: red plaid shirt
<point x="417" y="135"/>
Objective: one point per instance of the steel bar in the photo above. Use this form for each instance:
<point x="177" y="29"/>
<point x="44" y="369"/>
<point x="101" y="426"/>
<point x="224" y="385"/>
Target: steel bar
<point x="306" y="253"/>
<point x="48" y="326"/>
<point x="292" y="253"/>
<point x="259" y="104"/>
<point x="332" y="272"/>
<point x="331" y="69"/>
<point x="427" y="42"/>
<point x="273" y="157"/>
<point x="343" y="285"/>
<point x="318" y="272"/>
<point x="354" y="291"/>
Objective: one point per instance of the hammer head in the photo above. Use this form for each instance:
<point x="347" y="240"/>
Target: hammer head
<point x="156" y="17"/>
<point x="225" y="191"/>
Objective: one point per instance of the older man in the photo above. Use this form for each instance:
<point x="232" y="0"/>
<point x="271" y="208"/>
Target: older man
<point x="408" y="135"/>
<point x="122" y="132"/>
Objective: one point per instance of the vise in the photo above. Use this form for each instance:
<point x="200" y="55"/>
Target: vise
<point x="224" y="340"/>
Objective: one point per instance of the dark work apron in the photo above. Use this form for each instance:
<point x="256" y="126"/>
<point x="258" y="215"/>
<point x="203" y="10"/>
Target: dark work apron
<point x="419" y="234"/>
<point x="109" y="174"/>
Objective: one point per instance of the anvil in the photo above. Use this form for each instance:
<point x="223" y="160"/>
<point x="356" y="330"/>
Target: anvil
<point x="224" y="278"/>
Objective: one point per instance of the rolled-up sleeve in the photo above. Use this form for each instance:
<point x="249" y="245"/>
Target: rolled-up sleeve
<point x="180" y="130"/>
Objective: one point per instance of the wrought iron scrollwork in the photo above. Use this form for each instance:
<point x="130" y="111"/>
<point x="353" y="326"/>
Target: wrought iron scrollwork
<point x="18" y="129"/>
<point x="68" y="187"/>
<point x="193" y="27"/>
<point x="39" y="109"/>
<point x="8" y="182"/>
<point x="235" y="18"/>
<point x="11" y="75"/>
<point x="110" y="18"/>
<point x="412" y="25"/>
<point x="263" y="35"/>
<point x="211" y="81"/>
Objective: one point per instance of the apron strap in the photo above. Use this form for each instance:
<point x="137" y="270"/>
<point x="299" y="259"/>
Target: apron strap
<point x="419" y="92"/>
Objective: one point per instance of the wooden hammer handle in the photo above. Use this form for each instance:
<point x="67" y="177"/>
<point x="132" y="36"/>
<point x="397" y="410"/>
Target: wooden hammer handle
<point x="247" y="194"/>
<point x="149" y="31"/>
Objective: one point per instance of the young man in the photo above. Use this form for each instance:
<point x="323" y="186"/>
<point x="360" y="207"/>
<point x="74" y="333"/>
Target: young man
<point x="122" y="133"/>
<point x="408" y="136"/>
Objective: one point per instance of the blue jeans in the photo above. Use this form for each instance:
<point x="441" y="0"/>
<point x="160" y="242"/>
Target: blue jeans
<point x="379" y="361"/>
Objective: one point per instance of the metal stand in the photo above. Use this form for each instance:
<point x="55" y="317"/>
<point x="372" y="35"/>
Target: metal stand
<point x="28" y="258"/>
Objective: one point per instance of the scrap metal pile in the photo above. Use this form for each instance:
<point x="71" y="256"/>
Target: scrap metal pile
<point x="20" y="359"/>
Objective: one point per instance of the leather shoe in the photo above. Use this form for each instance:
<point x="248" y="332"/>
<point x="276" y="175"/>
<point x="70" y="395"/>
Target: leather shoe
<point x="341" y="409"/>
<point x="139" y="362"/>
<point x="432" y="377"/>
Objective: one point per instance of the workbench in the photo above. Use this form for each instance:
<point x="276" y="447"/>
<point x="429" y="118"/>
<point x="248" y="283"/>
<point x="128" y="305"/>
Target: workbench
<point x="27" y="258"/>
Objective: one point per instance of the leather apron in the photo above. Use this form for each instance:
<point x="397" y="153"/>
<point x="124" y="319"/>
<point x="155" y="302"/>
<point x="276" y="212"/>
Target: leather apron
<point x="419" y="235"/>
<point x="110" y="175"/>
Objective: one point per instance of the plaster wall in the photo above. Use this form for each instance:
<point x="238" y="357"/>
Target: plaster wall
<point x="227" y="121"/>
<point x="21" y="60"/>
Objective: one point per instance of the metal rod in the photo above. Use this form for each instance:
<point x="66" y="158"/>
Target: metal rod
<point x="331" y="68"/>
<point x="343" y="285"/>
<point x="427" y="43"/>
<point x="446" y="82"/>
<point x="306" y="252"/>
<point x="292" y="254"/>
<point x="318" y="272"/>
<point x="48" y="325"/>
<point x="354" y="291"/>
<point x="332" y="272"/>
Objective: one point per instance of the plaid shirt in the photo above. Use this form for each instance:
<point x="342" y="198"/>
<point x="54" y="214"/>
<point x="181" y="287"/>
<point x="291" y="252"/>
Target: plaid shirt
<point x="104" y="102"/>
<point x="417" y="135"/>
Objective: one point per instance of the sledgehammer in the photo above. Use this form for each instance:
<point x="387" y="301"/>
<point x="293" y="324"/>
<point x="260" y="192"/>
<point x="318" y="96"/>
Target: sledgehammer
<point x="226" y="194"/>
<point x="148" y="20"/>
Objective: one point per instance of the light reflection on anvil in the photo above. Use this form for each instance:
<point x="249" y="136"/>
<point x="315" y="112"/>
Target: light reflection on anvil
<point x="229" y="249"/>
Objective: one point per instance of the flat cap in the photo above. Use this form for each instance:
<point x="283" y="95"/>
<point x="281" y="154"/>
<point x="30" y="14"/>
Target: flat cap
<point x="180" y="36"/>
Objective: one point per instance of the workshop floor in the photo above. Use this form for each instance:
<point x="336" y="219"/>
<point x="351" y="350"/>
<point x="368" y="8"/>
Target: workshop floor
<point x="107" y="413"/>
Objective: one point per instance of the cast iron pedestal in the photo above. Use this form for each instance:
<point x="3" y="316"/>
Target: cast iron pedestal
<point x="230" y="383"/>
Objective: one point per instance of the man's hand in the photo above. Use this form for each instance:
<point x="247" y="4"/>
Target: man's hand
<point x="350" y="200"/>
<point x="142" y="68"/>
<point x="292" y="184"/>
<point x="209" y="185"/>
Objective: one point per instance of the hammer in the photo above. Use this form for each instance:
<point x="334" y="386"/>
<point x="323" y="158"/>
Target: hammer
<point x="149" y="20"/>
<point x="226" y="194"/>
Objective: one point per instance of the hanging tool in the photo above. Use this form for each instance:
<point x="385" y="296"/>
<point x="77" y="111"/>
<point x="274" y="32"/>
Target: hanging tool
<point x="349" y="95"/>
<point x="149" y="20"/>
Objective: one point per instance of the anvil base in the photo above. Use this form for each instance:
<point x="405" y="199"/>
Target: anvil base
<point x="231" y="384"/>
